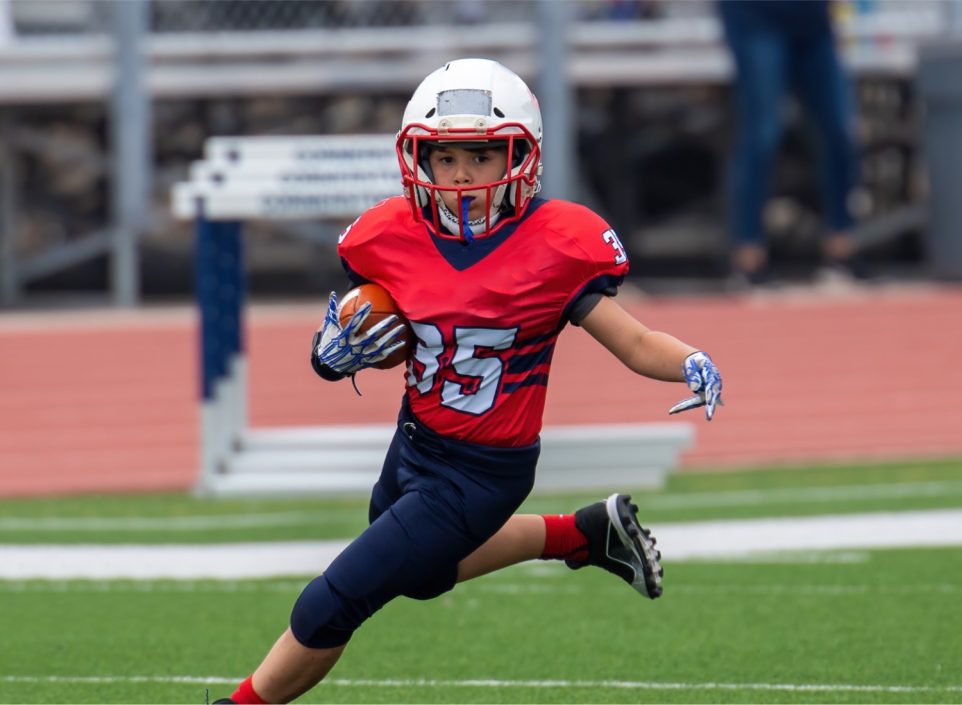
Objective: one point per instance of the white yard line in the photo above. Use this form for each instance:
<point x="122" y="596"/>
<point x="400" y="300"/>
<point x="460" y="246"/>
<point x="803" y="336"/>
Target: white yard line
<point x="499" y="683"/>
<point x="694" y="541"/>
<point x="172" y="561"/>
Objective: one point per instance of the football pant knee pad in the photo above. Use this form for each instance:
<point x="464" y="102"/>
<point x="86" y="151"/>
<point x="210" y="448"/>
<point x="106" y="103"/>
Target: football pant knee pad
<point x="429" y="587"/>
<point x="321" y="618"/>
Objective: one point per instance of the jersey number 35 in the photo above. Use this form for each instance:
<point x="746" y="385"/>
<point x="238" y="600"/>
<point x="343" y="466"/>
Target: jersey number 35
<point x="483" y="371"/>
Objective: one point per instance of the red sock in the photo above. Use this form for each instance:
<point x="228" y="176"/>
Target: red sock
<point x="562" y="539"/>
<point x="246" y="694"/>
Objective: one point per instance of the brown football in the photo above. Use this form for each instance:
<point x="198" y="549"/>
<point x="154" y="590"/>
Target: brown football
<point x="382" y="306"/>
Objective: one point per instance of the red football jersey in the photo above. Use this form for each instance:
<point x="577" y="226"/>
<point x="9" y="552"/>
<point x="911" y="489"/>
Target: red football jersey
<point x="486" y="314"/>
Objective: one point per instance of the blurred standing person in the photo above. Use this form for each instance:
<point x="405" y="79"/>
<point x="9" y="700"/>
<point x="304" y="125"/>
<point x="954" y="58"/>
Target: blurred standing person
<point x="779" y="45"/>
<point x="7" y="32"/>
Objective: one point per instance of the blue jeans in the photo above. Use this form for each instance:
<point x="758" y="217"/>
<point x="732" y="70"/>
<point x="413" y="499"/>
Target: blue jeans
<point x="773" y="52"/>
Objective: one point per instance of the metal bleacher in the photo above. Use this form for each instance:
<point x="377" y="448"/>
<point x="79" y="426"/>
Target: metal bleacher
<point x="61" y="53"/>
<point x="671" y="49"/>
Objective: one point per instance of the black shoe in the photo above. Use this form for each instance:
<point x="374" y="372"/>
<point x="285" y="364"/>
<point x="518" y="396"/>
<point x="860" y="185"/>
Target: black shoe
<point x="223" y="701"/>
<point x="620" y="545"/>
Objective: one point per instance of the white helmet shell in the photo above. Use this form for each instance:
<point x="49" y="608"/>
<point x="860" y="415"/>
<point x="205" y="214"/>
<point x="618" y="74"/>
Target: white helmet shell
<point x="473" y="100"/>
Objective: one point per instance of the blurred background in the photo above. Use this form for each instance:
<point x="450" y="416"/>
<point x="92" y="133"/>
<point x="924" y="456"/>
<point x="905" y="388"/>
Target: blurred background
<point x="103" y="106"/>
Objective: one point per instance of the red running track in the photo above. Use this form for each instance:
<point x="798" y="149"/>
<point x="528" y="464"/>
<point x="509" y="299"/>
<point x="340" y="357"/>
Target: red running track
<point x="106" y="401"/>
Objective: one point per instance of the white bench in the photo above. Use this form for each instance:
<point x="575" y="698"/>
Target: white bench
<point x="243" y="178"/>
<point x="347" y="459"/>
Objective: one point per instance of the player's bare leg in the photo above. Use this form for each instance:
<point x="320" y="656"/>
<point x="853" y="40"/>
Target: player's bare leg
<point x="291" y="669"/>
<point x="520" y="539"/>
<point x="609" y="530"/>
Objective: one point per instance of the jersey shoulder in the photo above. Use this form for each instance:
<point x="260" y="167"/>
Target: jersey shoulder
<point x="567" y="216"/>
<point x="381" y="235"/>
<point x="392" y="214"/>
<point x="577" y="232"/>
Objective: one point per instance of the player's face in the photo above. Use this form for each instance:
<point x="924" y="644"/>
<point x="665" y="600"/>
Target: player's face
<point x="458" y="166"/>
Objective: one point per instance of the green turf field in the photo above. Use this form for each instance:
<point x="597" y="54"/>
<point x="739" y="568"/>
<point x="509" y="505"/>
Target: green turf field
<point x="881" y="626"/>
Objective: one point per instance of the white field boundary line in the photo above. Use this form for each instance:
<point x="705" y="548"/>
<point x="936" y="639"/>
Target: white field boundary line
<point x="498" y="683"/>
<point x="695" y="541"/>
<point x="729" y="498"/>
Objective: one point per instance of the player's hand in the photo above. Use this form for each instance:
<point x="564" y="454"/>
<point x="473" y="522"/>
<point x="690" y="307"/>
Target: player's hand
<point x="348" y="349"/>
<point x="705" y="381"/>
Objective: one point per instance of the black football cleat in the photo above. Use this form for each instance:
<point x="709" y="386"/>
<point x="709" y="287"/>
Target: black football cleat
<point x="620" y="545"/>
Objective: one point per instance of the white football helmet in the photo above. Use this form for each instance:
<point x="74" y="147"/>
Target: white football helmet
<point x="471" y="100"/>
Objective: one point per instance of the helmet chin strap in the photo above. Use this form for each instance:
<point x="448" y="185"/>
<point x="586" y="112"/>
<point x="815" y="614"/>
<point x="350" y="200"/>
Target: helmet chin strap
<point x="453" y="224"/>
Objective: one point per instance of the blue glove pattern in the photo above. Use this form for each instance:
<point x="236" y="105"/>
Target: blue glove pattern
<point x="705" y="381"/>
<point x="348" y="350"/>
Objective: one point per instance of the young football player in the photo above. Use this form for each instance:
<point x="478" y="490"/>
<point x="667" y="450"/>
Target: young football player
<point x="487" y="275"/>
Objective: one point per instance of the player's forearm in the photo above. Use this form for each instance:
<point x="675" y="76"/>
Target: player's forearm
<point x="659" y="356"/>
<point x="650" y="353"/>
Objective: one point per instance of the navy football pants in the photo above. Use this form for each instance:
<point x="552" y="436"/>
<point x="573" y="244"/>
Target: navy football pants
<point x="436" y="501"/>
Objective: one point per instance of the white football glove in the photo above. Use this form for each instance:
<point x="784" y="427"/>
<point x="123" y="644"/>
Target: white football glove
<point x="348" y="350"/>
<point x="705" y="380"/>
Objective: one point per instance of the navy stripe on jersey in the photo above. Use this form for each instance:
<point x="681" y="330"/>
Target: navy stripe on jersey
<point x="463" y="255"/>
<point x="536" y="340"/>
<point x="523" y="362"/>
<point x="529" y="381"/>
